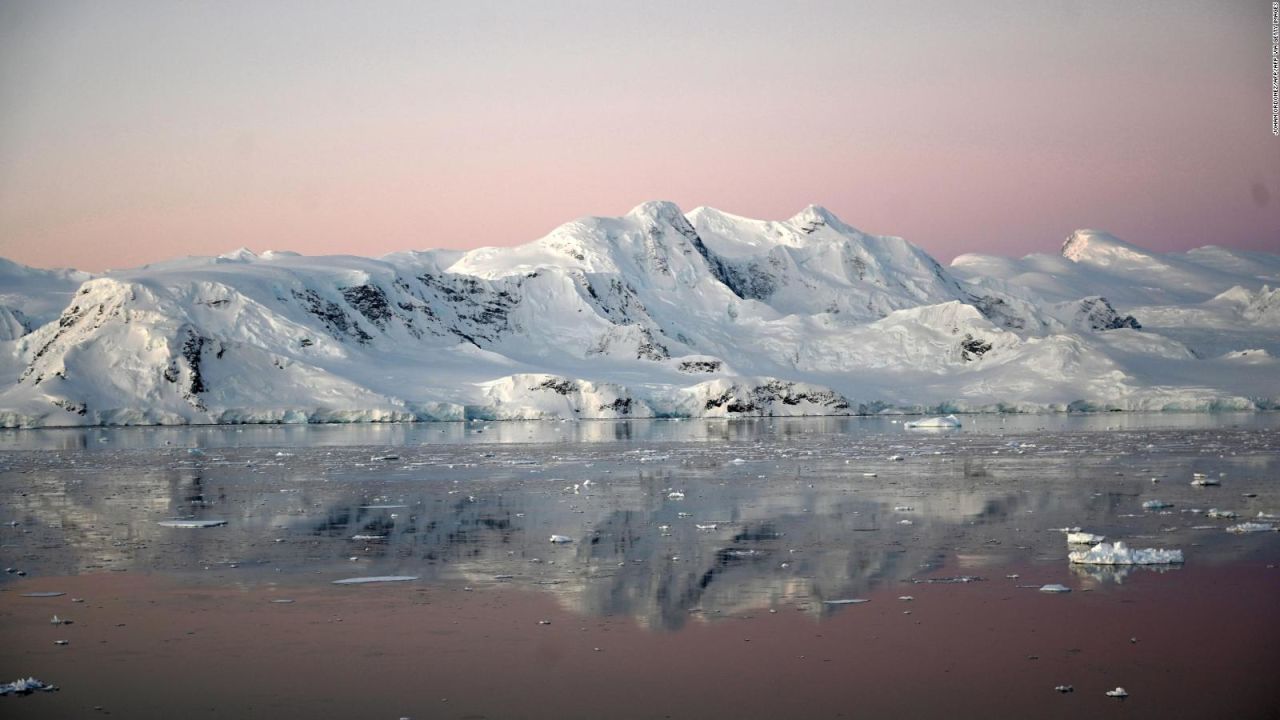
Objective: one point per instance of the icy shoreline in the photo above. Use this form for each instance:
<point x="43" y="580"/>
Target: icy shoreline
<point x="300" y="417"/>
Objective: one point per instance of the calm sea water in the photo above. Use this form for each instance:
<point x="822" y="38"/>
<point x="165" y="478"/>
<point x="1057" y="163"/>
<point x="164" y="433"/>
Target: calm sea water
<point x="666" y="518"/>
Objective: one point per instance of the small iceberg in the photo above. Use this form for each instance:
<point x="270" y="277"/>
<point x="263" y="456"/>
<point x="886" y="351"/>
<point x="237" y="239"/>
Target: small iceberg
<point x="1250" y="527"/>
<point x="850" y="601"/>
<point x="25" y="687"/>
<point x="1156" y="505"/>
<point x="1205" y="482"/>
<point x="192" y="523"/>
<point x="375" y="579"/>
<point x="1121" y="554"/>
<point x="560" y="539"/>
<point x="950" y="421"/>
<point x="1054" y="588"/>
<point x="1084" y="538"/>
<point x="1118" y="693"/>
<point x="1222" y="514"/>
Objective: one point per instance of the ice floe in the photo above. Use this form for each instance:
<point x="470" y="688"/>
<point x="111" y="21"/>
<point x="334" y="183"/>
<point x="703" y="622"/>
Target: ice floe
<point x="192" y="523"/>
<point x="375" y="579"/>
<point x="950" y="421"/>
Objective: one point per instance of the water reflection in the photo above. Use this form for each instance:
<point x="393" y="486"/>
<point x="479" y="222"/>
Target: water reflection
<point x="665" y="532"/>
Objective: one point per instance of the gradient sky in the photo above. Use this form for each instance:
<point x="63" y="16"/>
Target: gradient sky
<point x="136" y="131"/>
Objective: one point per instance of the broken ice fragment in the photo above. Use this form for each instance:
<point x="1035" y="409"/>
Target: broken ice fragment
<point x="561" y="539"/>
<point x="42" y="594"/>
<point x="1055" y="588"/>
<point x="1084" y="538"/>
<point x="1155" y="505"/>
<point x="1120" y="554"/>
<point x="849" y="601"/>
<point x="1221" y="514"/>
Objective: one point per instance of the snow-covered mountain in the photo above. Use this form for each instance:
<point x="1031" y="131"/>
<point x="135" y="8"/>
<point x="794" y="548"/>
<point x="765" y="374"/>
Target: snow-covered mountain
<point x="656" y="313"/>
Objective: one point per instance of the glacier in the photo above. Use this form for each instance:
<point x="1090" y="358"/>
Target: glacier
<point x="658" y="313"/>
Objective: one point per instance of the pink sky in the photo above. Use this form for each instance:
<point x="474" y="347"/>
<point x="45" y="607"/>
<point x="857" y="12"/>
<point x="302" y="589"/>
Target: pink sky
<point x="137" y="131"/>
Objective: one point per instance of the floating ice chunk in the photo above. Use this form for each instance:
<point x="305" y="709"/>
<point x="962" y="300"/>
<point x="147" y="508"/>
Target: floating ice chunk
<point x="903" y="508"/>
<point x="1084" y="538"/>
<point x="849" y="601"/>
<point x="1117" y="693"/>
<point x="737" y="461"/>
<point x="905" y="522"/>
<point x="1205" y="481"/>
<point x="870" y="475"/>
<point x="1155" y="505"/>
<point x="1221" y="514"/>
<point x="1055" y="588"/>
<point x="1267" y="516"/>
<point x="1065" y="689"/>
<point x="42" y="594"/>
<point x="905" y="598"/>
<point x="384" y="458"/>
<point x="950" y="421"/>
<point x="675" y="495"/>
<point x="896" y="458"/>
<point x="709" y="526"/>
<point x="558" y="539"/>
<point x="384" y="507"/>
<point x="192" y="523"/>
<point x="375" y="579"/>
<point x="25" y="687"/>
<point x="1250" y="527"/>
<point x="1121" y="554"/>
<point x="368" y="537"/>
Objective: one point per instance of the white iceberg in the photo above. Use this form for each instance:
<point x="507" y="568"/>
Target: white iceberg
<point x="560" y="539"/>
<point x="1121" y="554"/>
<point x="1205" y="481"/>
<point x="850" y="601"/>
<point x="1055" y="588"/>
<point x="1155" y="505"/>
<point x="950" y="421"/>
<point x="1084" y="538"/>
<point x="1222" y="514"/>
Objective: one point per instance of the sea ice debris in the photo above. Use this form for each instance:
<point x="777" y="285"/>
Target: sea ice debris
<point x="848" y="601"/>
<point x="561" y="539"/>
<point x="1084" y="538"/>
<point x="1117" y="693"/>
<point x="1155" y="505"/>
<point x="1055" y="588"/>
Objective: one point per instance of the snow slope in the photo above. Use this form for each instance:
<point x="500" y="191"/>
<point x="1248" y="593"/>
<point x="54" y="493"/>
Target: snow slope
<point x="655" y="313"/>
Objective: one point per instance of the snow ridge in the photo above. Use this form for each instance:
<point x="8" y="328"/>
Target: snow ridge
<point x="656" y="313"/>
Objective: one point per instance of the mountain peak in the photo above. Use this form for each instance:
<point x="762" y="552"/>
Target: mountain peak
<point x="1099" y="247"/>
<point x="658" y="210"/>
<point x="815" y="216"/>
